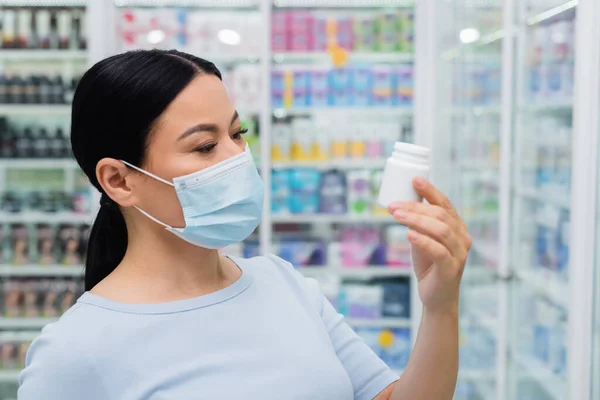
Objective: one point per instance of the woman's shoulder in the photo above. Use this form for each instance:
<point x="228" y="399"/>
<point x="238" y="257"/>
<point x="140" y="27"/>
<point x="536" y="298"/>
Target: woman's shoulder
<point x="56" y="362"/>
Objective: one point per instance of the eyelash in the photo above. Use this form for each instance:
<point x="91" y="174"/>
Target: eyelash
<point x="210" y="147"/>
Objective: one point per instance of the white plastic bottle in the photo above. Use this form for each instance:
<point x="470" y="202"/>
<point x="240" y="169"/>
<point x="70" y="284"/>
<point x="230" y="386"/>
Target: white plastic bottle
<point x="407" y="162"/>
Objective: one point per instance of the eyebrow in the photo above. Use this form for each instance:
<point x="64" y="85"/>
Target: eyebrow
<point x="212" y="128"/>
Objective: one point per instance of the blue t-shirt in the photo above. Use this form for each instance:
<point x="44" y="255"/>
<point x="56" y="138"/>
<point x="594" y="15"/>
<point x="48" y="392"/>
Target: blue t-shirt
<point x="271" y="335"/>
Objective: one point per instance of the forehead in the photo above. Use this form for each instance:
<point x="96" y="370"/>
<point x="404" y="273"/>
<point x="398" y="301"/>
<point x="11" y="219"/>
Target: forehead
<point x="204" y="100"/>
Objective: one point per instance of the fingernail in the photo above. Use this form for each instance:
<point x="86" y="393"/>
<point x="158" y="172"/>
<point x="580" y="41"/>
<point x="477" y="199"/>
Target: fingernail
<point x="394" y="206"/>
<point x="400" y="214"/>
<point x="420" y="182"/>
<point x="412" y="236"/>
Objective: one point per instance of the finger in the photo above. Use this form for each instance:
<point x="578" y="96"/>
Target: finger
<point x="436" y="212"/>
<point x="433" y="195"/>
<point x="435" y="229"/>
<point x="434" y="250"/>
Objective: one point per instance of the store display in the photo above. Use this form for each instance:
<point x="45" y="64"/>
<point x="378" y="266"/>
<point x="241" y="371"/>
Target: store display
<point x="43" y="28"/>
<point x="353" y="247"/>
<point x="373" y="31"/>
<point x="551" y="60"/>
<point x="477" y="84"/>
<point x="44" y="244"/>
<point x="375" y="86"/>
<point x="38" y="298"/>
<point x="407" y="162"/>
<point x="313" y="139"/>
<point x="393" y="346"/>
<point x="36" y="89"/>
<point x="12" y="353"/>
<point x="33" y="141"/>
<point x="310" y="191"/>
<point x="47" y="202"/>
<point x="192" y="31"/>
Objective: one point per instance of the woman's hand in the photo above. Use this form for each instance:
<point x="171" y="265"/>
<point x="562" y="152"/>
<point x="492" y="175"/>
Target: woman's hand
<point x="440" y="244"/>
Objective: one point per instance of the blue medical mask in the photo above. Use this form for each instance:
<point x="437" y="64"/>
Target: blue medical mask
<point x="222" y="204"/>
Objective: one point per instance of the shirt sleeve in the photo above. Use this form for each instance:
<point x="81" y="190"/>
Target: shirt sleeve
<point x="56" y="371"/>
<point x="368" y="373"/>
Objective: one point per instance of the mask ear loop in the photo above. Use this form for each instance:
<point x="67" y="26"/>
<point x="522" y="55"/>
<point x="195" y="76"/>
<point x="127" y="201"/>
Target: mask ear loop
<point x="158" y="179"/>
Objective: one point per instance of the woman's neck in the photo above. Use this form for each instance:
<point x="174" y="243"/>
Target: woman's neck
<point x="160" y="267"/>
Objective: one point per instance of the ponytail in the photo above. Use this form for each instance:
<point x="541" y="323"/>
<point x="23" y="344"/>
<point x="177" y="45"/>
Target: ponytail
<point x="107" y="244"/>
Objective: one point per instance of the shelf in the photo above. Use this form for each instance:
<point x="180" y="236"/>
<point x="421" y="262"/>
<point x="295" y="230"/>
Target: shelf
<point x="474" y="110"/>
<point x="552" y="383"/>
<point x="19" y="336"/>
<point x="480" y="164"/>
<point x="547" y="283"/>
<point x="9" y="376"/>
<point x="222" y="4"/>
<point x="344" y="164"/>
<point x="38" y="163"/>
<point x="353" y="57"/>
<point x="34" y="217"/>
<point x="232" y="59"/>
<point x="41" y="271"/>
<point x="332" y="219"/>
<point x="566" y="106"/>
<point x="343" y="3"/>
<point x="367" y="272"/>
<point x="345" y="112"/>
<point x="379" y="322"/>
<point x="25" y="323"/>
<point x="43" y="3"/>
<point x="36" y="110"/>
<point x="561" y="201"/>
<point x="43" y="55"/>
<point x="477" y="375"/>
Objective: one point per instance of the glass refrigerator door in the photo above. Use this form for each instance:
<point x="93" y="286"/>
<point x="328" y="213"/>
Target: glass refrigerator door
<point x="470" y="83"/>
<point x="541" y="196"/>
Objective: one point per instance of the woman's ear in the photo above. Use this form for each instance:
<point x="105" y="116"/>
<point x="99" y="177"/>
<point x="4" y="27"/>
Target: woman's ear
<point x="116" y="181"/>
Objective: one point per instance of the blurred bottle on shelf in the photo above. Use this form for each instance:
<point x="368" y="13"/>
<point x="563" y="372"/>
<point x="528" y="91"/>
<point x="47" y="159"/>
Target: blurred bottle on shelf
<point x="36" y="89"/>
<point x="43" y="28"/>
<point x="32" y="141"/>
<point x="316" y="31"/>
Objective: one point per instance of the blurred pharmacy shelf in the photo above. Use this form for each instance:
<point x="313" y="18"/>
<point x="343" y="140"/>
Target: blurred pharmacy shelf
<point x="43" y="3"/>
<point x="563" y="200"/>
<point x="553" y="384"/>
<point x="345" y="112"/>
<point x="42" y="55"/>
<point x="10" y="375"/>
<point x="472" y="110"/>
<point x="38" y="163"/>
<point x="223" y="4"/>
<point x="331" y="219"/>
<point x="379" y="322"/>
<point x="566" y="106"/>
<point x="353" y="57"/>
<point x="25" y="323"/>
<point x="14" y="271"/>
<point x="365" y="272"/>
<point x="479" y="164"/>
<point x="481" y="319"/>
<point x="36" y="217"/>
<point x="35" y="110"/>
<point x="343" y="164"/>
<point x="343" y="3"/>
<point x="547" y="283"/>
<point x="476" y="375"/>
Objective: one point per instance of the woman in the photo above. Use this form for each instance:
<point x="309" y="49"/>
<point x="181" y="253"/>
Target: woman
<point x="165" y="316"/>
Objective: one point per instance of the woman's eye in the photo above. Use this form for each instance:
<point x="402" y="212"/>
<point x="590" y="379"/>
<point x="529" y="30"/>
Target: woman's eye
<point x="206" y="149"/>
<point x="238" y="134"/>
